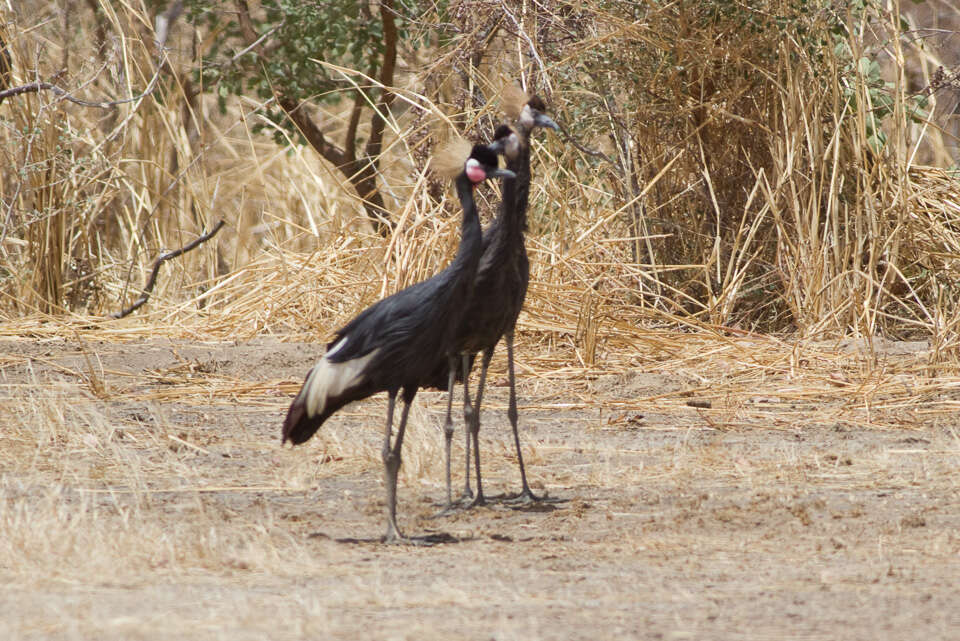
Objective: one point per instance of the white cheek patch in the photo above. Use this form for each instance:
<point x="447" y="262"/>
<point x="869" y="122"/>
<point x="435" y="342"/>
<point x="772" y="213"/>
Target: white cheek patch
<point x="526" y="117"/>
<point x="475" y="171"/>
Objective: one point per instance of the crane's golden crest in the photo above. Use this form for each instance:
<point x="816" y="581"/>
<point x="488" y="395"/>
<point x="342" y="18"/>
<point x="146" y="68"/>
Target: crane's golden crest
<point x="514" y="98"/>
<point x="449" y="160"/>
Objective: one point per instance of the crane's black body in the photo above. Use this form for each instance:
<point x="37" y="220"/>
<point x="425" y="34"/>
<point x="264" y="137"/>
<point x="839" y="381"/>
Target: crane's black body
<point x="500" y="288"/>
<point x="393" y="344"/>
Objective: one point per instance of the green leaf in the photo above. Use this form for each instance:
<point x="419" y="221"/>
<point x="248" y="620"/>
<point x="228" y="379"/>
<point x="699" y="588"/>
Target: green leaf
<point x="877" y="141"/>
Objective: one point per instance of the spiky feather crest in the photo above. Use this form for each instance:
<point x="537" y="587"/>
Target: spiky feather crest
<point x="450" y="157"/>
<point x="536" y="102"/>
<point x="514" y="98"/>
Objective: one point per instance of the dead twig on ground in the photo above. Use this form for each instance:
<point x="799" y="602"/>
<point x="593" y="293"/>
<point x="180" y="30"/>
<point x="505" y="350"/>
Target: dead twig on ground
<point x="152" y="281"/>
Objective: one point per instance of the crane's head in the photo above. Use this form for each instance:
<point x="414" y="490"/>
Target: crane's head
<point x="482" y="164"/>
<point x="532" y="115"/>
<point x="526" y="110"/>
<point x="478" y="162"/>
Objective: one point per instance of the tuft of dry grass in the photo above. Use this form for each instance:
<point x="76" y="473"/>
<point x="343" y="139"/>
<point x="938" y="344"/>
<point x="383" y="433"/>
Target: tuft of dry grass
<point x="809" y="227"/>
<point x="734" y="199"/>
<point x="714" y="320"/>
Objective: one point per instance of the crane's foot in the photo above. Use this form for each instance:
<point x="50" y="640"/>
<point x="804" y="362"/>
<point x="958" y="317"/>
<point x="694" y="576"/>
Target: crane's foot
<point x="394" y="537"/>
<point x="462" y="502"/>
<point x="448" y="509"/>
<point x="526" y="497"/>
<point x="413" y="540"/>
<point x="478" y="500"/>
<point x="427" y="540"/>
<point x="393" y="534"/>
<point x="465" y="502"/>
<point x="395" y="540"/>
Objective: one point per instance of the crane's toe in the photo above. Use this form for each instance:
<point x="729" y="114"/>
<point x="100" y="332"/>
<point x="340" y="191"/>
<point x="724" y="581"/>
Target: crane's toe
<point x="526" y="497"/>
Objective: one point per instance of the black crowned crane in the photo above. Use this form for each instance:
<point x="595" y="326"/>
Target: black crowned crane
<point x="500" y="287"/>
<point x="393" y="344"/>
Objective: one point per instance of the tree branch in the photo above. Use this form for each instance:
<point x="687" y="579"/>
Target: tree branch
<point x="298" y="114"/>
<point x="590" y="152"/>
<point x="36" y="87"/>
<point x="361" y="173"/>
<point x="246" y="24"/>
<point x="377" y="119"/>
<point x="358" y="101"/>
<point x="152" y="281"/>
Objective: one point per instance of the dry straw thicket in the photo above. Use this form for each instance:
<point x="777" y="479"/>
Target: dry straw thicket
<point x="724" y="175"/>
<point x="723" y="213"/>
<point x="738" y="183"/>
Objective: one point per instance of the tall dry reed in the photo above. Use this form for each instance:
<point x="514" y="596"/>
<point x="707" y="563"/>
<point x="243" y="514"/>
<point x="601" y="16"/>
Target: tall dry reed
<point x="768" y="182"/>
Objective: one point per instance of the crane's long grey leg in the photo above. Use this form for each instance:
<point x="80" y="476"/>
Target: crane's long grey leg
<point x="448" y="424"/>
<point x="475" y="424"/>
<point x="467" y="421"/>
<point x="526" y="496"/>
<point x="389" y="479"/>
<point x="391" y="464"/>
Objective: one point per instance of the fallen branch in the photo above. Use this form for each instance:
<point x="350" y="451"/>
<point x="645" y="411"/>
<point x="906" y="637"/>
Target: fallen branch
<point x="152" y="281"/>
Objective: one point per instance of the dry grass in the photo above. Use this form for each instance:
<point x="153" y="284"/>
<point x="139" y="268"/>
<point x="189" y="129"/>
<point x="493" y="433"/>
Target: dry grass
<point x="80" y="497"/>
<point x="709" y="317"/>
<point x="166" y="491"/>
<point x="807" y="229"/>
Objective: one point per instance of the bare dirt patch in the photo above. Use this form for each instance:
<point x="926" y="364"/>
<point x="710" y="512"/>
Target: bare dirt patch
<point x="144" y="494"/>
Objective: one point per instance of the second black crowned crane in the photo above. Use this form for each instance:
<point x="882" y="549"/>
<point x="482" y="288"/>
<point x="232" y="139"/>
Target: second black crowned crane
<point x="392" y="345"/>
<point x="500" y="288"/>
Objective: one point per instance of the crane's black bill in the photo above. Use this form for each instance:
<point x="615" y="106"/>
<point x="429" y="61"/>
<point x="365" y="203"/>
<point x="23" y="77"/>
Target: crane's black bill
<point x="541" y="120"/>
<point x="500" y="173"/>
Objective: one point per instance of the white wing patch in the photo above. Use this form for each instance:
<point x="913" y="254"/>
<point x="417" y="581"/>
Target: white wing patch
<point x="328" y="379"/>
<point x="336" y="348"/>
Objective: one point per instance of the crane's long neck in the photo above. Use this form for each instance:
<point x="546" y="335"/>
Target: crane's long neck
<point x="471" y="246"/>
<point x="516" y="192"/>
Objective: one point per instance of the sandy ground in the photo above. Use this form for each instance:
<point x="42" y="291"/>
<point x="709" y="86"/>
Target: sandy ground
<point x="145" y="495"/>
